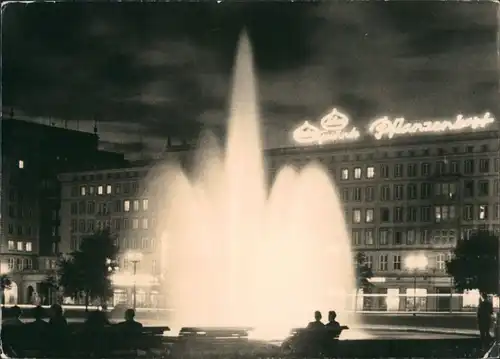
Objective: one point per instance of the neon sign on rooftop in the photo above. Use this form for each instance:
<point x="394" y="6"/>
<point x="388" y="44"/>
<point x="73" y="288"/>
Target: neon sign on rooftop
<point x="333" y="128"/>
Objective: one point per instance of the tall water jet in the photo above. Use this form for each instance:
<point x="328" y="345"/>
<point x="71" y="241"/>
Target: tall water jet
<point x="238" y="255"/>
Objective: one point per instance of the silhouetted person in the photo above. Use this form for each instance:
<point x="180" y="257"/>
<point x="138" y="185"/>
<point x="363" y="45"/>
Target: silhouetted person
<point x="12" y="335"/>
<point x="59" y="333"/>
<point x="130" y="324"/>
<point x="38" y="323"/>
<point x="484" y="312"/>
<point x="14" y="317"/>
<point x="332" y="323"/>
<point x="38" y="330"/>
<point x="317" y="324"/>
<point x="94" y="333"/>
<point x="130" y="330"/>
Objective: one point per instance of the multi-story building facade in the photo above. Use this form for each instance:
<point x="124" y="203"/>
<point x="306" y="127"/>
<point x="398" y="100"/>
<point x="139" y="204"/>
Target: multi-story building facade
<point x="32" y="156"/>
<point x="117" y="199"/>
<point x="411" y="197"/>
<point x="406" y="197"/>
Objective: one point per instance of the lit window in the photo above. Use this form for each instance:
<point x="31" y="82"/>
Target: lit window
<point x="369" y="215"/>
<point x="29" y="247"/>
<point x="126" y="206"/>
<point x="145" y="204"/>
<point x="100" y="190"/>
<point x="11" y="245"/>
<point x="357" y="173"/>
<point x="356" y="216"/>
<point x="20" y="164"/>
<point x="108" y="189"/>
<point x="135" y="223"/>
<point x="20" y="246"/>
<point x="345" y="174"/>
<point x="136" y="205"/>
<point x="370" y="172"/>
<point x="83" y="191"/>
<point x="483" y="211"/>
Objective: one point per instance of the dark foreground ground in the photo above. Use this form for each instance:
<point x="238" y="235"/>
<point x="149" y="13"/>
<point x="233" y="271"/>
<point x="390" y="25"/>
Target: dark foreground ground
<point x="382" y="344"/>
<point x="390" y="336"/>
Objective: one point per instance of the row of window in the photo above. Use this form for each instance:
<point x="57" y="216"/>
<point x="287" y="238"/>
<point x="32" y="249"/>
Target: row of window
<point x="411" y="191"/>
<point x="397" y="262"/>
<point x="424" y="169"/>
<point x="19" y="263"/>
<point x="423" y="152"/>
<point x="20" y="246"/>
<point x="20" y="230"/>
<point x="105" y="189"/>
<point x="104" y="208"/>
<point x="20" y="212"/>
<point x="91" y="225"/>
<point x="114" y="175"/>
<point x="399" y="237"/>
<point x="127" y="243"/>
<point x="438" y="214"/>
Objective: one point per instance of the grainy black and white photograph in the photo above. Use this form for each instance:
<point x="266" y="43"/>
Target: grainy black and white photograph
<point x="241" y="179"/>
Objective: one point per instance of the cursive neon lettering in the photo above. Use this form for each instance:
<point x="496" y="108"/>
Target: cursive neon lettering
<point x="385" y="127"/>
<point x="332" y="129"/>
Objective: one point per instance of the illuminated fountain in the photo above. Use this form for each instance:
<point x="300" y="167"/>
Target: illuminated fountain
<point x="237" y="255"/>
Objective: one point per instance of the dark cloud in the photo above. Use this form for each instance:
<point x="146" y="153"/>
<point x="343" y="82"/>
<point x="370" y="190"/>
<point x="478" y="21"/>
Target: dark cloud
<point x="157" y="69"/>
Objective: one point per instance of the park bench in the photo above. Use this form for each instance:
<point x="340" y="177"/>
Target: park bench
<point x="312" y="342"/>
<point x="208" y="339"/>
<point x="110" y="341"/>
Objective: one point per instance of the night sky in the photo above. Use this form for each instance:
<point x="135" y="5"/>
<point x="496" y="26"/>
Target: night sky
<point x="151" y="70"/>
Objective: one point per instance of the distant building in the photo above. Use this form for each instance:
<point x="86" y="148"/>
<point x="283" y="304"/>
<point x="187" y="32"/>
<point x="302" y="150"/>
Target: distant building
<point x="407" y="196"/>
<point x="116" y="199"/>
<point x="403" y="197"/>
<point x="32" y="156"/>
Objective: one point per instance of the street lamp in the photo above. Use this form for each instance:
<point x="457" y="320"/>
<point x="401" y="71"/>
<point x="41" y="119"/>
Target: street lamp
<point x="134" y="257"/>
<point x="415" y="263"/>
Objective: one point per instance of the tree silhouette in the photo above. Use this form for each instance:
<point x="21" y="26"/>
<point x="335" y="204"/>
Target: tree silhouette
<point x="86" y="271"/>
<point x="474" y="264"/>
<point x="363" y="274"/>
<point x="5" y="283"/>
